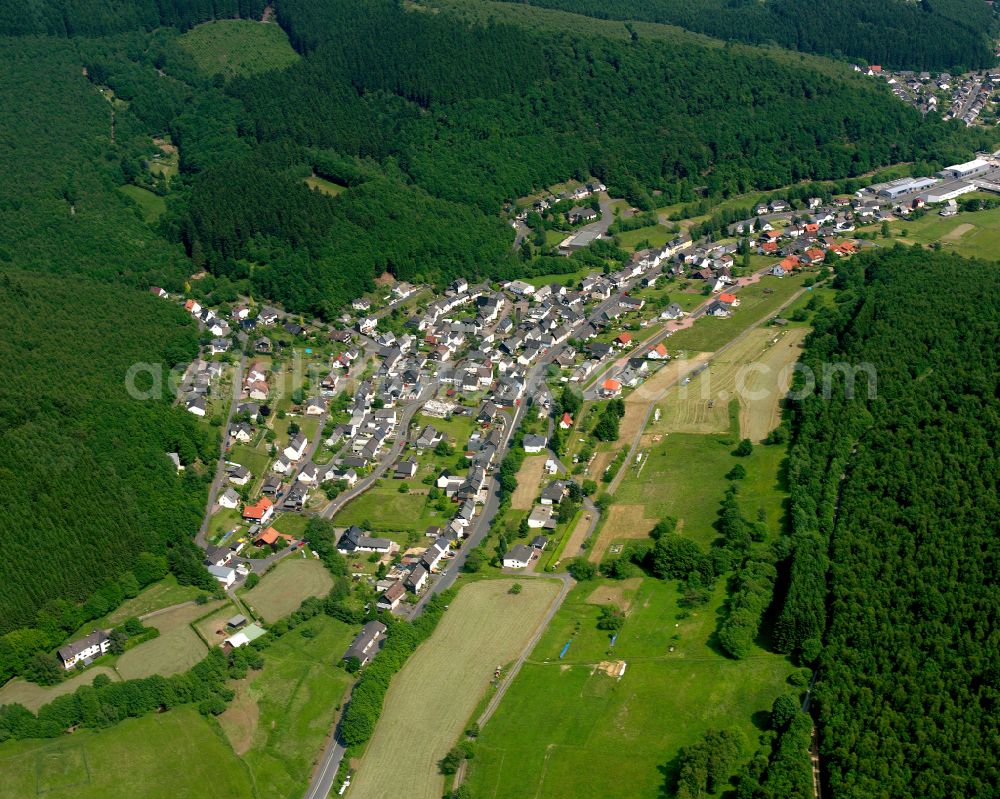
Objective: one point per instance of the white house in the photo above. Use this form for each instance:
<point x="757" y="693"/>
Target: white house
<point x="197" y="406"/>
<point x="229" y="499"/>
<point x="540" y="516"/>
<point x="224" y="575"/>
<point x="519" y="557"/>
<point x="296" y="447"/>
<point x="94" y="645"/>
<point x="534" y="444"/>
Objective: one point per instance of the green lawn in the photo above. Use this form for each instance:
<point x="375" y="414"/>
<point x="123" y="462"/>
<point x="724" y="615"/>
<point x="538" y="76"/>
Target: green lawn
<point x="152" y="205"/>
<point x="159" y="595"/>
<point x="255" y="459"/>
<point x="384" y="509"/>
<point x="174" y="755"/>
<point x="657" y="235"/>
<point x="975" y="234"/>
<point x="291" y="523"/>
<point x="238" y="47"/>
<point x="668" y="485"/>
<point x="282" y="714"/>
<point x="576" y="276"/>
<point x="565" y="728"/>
<point x="756" y="302"/>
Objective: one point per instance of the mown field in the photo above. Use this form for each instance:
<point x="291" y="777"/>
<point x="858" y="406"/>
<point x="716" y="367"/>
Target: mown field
<point x="20" y="691"/>
<point x="283" y="588"/>
<point x="282" y="714"/>
<point x="176" y="649"/>
<point x="757" y="301"/>
<point x="431" y="699"/>
<point x="152" y="206"/>
<point x="974" y="234"/>
<point x="384" y="509"/>
<point x="567" y="728"/>
<point x="238" y="47"/>
<point x="175" y="755"/>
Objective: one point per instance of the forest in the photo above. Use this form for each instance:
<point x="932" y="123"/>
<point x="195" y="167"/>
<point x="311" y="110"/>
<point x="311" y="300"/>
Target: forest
<point x="954" y="35"/>
<point x="88" y="488"/>
<point x="892" y="592"/>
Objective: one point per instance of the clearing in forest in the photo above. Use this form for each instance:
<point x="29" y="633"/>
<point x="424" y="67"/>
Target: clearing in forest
<point x="431" y="699"/>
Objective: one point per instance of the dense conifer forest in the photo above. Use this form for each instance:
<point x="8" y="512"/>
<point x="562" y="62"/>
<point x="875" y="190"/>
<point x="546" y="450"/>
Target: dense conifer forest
<point x="943" y="35"/>
<point x="87" y="483"/>
<point x="893" y="594"/>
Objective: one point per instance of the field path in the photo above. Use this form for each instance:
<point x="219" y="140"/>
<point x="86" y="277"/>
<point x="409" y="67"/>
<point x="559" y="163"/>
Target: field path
<point x="430" y="701"/>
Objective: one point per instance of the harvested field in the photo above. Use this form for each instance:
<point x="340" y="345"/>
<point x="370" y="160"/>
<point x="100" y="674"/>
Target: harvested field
<point x="529" y="478"/>
<point x="431" y="699"/>
<point x="624" y="521"/>
<point x="282" y="590"/>
<point x="33" y="696"/>
<point x="613" y="668"/>
<point x="176" y="649"/>
<point x="702" y="406"/>
<point x="631" y="423"/>
<point x="239" y="721"/>
<point x="578" y="536"/>
<point x="673" y="370"/>
<point x="600" y="462"/>
<point x="760" y="401"/>
<point x="620" y="594"/>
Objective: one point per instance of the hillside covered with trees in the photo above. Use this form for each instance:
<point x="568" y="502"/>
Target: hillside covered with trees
<point x="892" y="590"/>
<point x="954" y="35"/>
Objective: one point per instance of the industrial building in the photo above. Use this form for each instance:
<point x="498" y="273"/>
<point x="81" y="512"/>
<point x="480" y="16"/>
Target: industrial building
<point x="967" y="170"/>
<point x="905" y="186"/>
<point x="948" y="191"/>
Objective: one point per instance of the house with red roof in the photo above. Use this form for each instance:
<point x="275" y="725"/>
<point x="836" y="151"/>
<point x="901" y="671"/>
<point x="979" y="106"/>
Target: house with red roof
<point x="270" y="537"/>
<point x="624" y="339"/>
<point x="769" y="247"/>
<point x="814" y="255"/>
<point x="611" y="388"/>
<point x="658" y="353"/>
<point x="730" y="299"/>
<point x="261" y="511"/>
<point x="566" y="422"/>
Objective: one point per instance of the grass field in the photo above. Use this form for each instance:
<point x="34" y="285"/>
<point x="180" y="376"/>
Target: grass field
<point x="176" y="755"/>
<point x="256" y="460"/>
<point x="238" y="47"/>
<point x="282" y="589"/>
<point x="384" y="509"/>
<point x="683" y="477"/>
<point x="972" y="234"/>
<point x="756" y="302"/>
<point x="152" y="205"/>
<point x="176" y="649"/>
<point x="431" y="699"/>
<point x="19" y="691"/>
<point x="575" y="277"/>
<point x="567" y="728"/>
<point x="325" y="186"/>
<point x="281" y="714"/>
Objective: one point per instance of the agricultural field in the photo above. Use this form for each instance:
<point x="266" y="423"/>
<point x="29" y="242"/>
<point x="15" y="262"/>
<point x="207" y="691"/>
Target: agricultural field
<point x="176" y="649"/>
<point x="975" y="234"/>
<point x="431" y="700"/>
<point x="529" y="479"/>
<point x="572" y="727"/>
<point x="233" y="47"/>
<point x="756" y="370"/>
<point x="20" y="691"/>
<point x="282" y="589"/>
<point x="281" y="715"/>
<point x="152" y="206"/>
<point x="757" y="301"/>
<point x="127" y="760"/>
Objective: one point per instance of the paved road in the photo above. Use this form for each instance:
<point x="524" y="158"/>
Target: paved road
<point x="220" y="468"/>
<point x="388" y="459"/>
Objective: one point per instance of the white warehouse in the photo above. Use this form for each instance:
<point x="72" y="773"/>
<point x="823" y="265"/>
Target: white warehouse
<point x="948" y="192"/>
<point x="967" y="170"/>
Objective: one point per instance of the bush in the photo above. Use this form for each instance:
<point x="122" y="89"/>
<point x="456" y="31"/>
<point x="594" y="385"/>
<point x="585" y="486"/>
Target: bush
<point x="744" y="448"/>
<point x="582" y="569"/>
<point x="252" y="580"/>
